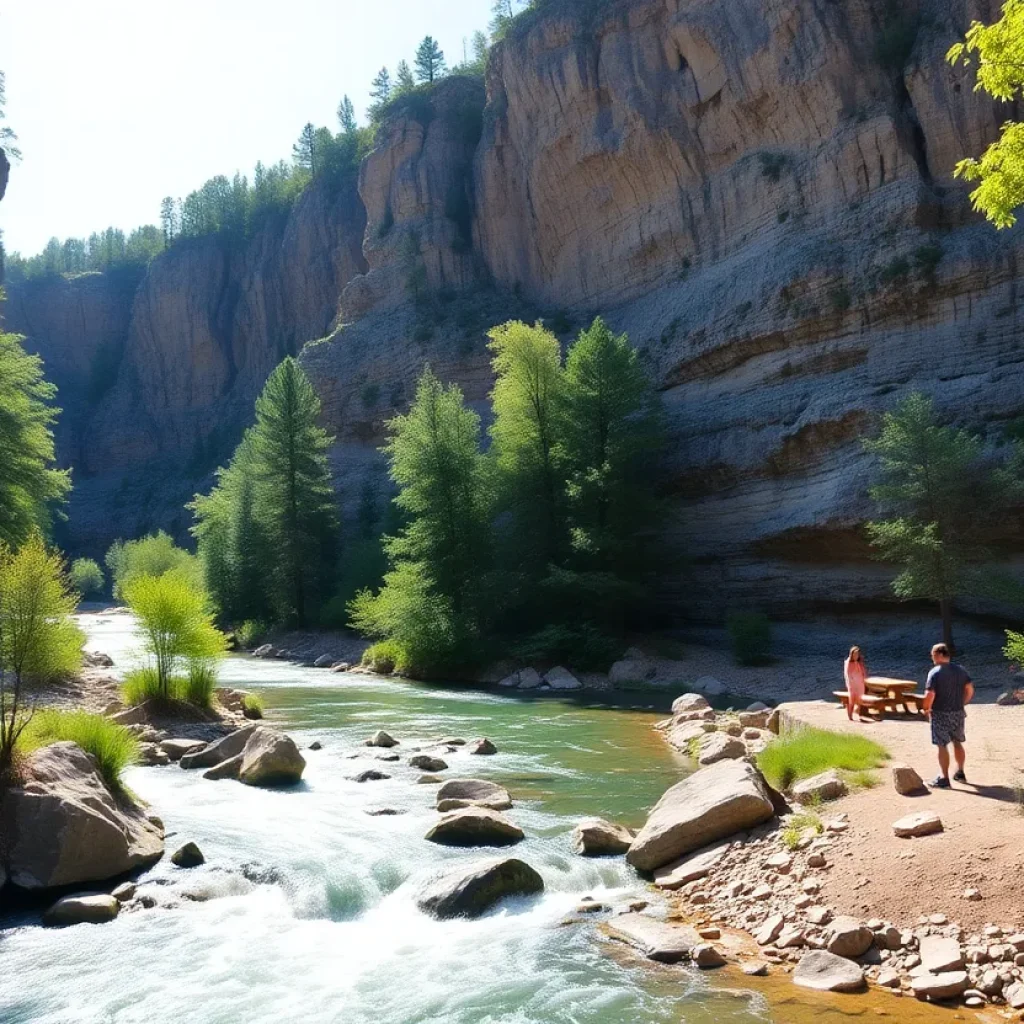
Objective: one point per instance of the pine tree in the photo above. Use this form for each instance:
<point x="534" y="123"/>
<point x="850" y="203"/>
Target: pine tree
<point x="528" y="400"/>
<point x="404" y="80"/>
<point x="169" y="218"/>
<point x="347" y="116"/>
<point x="429" y="60"/>
<point x="295" y="499"/>
<point x="30" y="486"/>
<point x="998" y="51"/>
<point x="941" y="496"/>
<point x="7" y="136"/>
<point x="304" y="151"/>
<point x="380" y="92"/>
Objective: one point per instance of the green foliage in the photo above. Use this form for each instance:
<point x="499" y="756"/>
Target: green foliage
<point x="87" y="577"/>
<point x="113" y="746"/>
<point x="142" y="684"/>
<point x="795" y="825"/>
<point x="997" y="53"/>
<point x="383" y="657"/>
<point x="108" y="250"/>
<point x="806" y="752"/>
<point x="149" y="556"/>
<point x="38" y="636"/>
<point x="252" y="705"/>
<point x="30" y="487"/>
<point x="429" y="62"/>
<point x="751" y="635"/>
<point x="940" y="495"/>
<point x="1014" y="649"/>
<point x="250" y="632"/>
<point x="7" y="136"/>
<point x="267" y="531"/>
<point x="177" y="629"/>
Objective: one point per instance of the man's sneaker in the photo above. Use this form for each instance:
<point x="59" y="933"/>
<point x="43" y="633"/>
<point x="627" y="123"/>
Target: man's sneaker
<point x="939" y="783"/>
<point x="959" y="776"/>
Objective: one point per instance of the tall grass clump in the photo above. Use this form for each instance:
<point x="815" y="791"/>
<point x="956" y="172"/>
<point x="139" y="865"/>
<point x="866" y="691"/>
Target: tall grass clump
<point x="807" y="751"/>
<point x="198" y="686"/>
<point x="113" y="746"/>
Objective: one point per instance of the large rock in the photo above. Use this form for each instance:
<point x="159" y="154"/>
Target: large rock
<point x="458" y="793"/>
<point x="688" y="702"/>
<point x="828" y="785"/>
<point x="176" y="749"/>
<point x="711" y="804"/>
<point x="720" y="746"/>
<point x="906" y="781"/>
<point x="66" y="828"/>
<point x="219" y="750"/>
<point x="827" y="972"/>
<point x="188" y="856"/>
<point x="96" y="909"/>
<point x="690" y="868"/>
<point x="947" y="985"/>
<point x="668" y="943"/>
<point x="481" y="746"/>
<point x="940" y="954"/>
<point x="426" y="763"/>
<point x="472" y="889"/>
<point x="271" y="758"/>
<point x="595" y="837"/>
<point x="475" y="826"/>
<point x="229" y="769"/>
<point x="381" y="739"/>
<point x="529" y="679"/>
<point x="632" y="670"/>
<point x="846" y="936"/>
<point x="924" y="823"/>
<point x="560" y="678"/>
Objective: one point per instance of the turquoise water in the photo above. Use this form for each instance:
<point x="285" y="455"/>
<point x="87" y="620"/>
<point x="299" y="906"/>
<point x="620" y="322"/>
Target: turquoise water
<point x="330" y="932"/>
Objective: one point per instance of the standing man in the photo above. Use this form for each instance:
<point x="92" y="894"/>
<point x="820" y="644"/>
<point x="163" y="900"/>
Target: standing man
<point x="948" y="690"/>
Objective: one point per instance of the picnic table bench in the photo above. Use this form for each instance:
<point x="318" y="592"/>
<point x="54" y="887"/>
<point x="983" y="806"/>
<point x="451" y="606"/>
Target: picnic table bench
<point x="884" y="694"/>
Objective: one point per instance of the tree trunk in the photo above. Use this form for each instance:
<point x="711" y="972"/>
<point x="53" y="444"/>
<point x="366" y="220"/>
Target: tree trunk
<point x="946" y="611"/>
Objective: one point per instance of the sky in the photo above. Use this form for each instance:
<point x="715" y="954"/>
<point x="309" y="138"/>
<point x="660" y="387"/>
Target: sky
<point x="118" y="103"/>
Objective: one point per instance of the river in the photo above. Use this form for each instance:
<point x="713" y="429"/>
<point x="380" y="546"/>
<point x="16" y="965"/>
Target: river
<point x="336" y="937"/>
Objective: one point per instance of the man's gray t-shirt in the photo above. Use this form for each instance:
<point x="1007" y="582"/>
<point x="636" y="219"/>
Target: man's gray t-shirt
<point x="948" y="682"/>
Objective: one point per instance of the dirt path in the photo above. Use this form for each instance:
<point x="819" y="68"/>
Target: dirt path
<point x="982" y="846"/>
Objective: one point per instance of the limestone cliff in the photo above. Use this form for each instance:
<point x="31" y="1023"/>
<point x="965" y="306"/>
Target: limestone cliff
<point x="759" y="192"/>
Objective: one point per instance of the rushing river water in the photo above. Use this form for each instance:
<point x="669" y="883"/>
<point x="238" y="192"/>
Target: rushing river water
<point x="336" y="937"/>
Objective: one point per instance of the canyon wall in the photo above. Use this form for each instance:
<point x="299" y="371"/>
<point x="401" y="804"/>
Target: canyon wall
<point x="759" y="192"/>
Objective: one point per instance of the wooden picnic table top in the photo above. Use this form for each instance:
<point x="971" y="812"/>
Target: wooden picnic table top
<point x="883" y="684"/>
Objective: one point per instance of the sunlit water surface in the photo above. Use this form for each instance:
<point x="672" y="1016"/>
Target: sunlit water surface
<point x="336" y="937"/>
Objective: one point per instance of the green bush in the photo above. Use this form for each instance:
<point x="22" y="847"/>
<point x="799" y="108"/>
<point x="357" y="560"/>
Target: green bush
<point x="583" y="646"/>
<point x="384" y="657"/>
<point x="87" y="577"/>
<point x="250" y="632"/>
<point x="808" y="751"/>
<point x="113" y="746"/>
<point x="149" y="556"/>
<point x="751" y="635"/>
<point x="252" y="705"/>
<point x="140" y="685"/>
<point x="198" y="686"/>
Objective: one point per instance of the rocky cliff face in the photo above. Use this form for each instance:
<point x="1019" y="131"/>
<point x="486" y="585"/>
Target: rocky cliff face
<point x="758" y="192"/>
<point x="157" y="371"/>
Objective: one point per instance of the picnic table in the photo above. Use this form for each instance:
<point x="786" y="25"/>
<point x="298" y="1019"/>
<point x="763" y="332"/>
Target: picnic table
<point x="884" y="694"/>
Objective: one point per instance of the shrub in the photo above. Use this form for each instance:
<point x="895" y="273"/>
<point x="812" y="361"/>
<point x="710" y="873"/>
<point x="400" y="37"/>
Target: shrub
<point x="250" y="632"/>
<point x="252" y="705"/>
<point x="141" y="684"/>
<point x="198" y="686"/>
<point x="87" y="577"/>
<point x="1014" y="649"/>
<point x="751" y="634"/>
<point x="113" y="746"/>
<point x="149" y="556"/>
<point x="384" y="657"/>
<point x="808" y="751"/>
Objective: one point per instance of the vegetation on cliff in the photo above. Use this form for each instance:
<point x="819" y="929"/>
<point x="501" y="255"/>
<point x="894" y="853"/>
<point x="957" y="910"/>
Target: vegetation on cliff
<point x="31" y="488"/>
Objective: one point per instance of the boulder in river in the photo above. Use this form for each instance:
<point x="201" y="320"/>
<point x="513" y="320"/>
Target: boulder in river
<point x="474" y="826"/>
<point x="219" y="750"/>
<point x="176" y="749"/>
<point x="596" y="837"/>
<point x="271" y="758"/>
<point x="827" y="972"/>
<point x="229" y="769"/>
<point x="664" y="941"/>
<point x="66" y="828"/>
<point x="97" y="909"/>
<point x="426" y="763"/>
<point x="371" y="775"/>
<point x="472" y="889"/>
<point x="713" y="803"/>
<point x="188" y="856"/>
<point x="560" y="678"/>
<point x="688" y="702"/>
<point x="456" y="793"/>
<point x="381" y="739"/>
<point x="324" y="661"/>
<point x="481" y="746"/>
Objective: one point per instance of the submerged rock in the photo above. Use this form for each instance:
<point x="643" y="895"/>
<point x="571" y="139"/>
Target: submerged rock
<point x="475" y="826"/>
<point x="82" y="910"/>
<point x="471" y="890"/>
<point x="713" y="803"/>
<point x="666" y="942"/>
<point x="481" y="746"/>
<point x="595" y="837"/>
<point x="371" y="775"/>
<point x="271" y="758"/>
<point x="426" y="763"/>
<point x="66" y="828"/>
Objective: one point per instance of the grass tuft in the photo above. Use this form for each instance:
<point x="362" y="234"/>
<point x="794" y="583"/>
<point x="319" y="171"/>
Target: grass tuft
<point x="797" y="824"/>
<point x="143" y="684"/>
<point x="252" y="705"/>
<point x="807" y="751"/>
<point x="113" y="746"/>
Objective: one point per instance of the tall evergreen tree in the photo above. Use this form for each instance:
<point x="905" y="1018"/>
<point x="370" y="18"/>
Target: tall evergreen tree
<point x="304" y="150"/>
<point x="7" y="136"/>
<point x="429" y="60"/>
<point x="30" y="486"/>
<point x="380" y="92"/>
<point x="404" y="80"/>
<point x="169" y="218"/>
<point x="347" y="116"/>
<point x="941" y="497"/>
<point x="296" y="500"/>
<point x="528" y="399"/>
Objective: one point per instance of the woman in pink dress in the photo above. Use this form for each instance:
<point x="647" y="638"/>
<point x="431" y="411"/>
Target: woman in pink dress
<point x="856" y="673"/>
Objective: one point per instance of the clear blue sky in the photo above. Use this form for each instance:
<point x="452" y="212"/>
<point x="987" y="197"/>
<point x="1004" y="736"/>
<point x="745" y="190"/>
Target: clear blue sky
<point x="118" y="103"/>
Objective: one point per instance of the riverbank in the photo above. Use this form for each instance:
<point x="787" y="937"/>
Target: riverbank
<point x="940" y="916"/>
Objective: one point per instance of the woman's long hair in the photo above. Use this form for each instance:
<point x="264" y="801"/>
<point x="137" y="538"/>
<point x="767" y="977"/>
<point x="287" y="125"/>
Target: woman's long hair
<point x="853" y="651"/>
